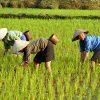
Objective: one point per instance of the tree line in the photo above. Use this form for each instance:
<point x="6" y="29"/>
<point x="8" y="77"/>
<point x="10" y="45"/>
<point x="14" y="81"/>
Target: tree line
<point x="52" y="4"/>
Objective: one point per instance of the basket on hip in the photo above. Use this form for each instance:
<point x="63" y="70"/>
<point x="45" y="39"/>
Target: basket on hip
<point x="54" y="39"/>
<point x="28" y="35"/>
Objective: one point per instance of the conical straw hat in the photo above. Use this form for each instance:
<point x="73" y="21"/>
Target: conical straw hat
<point x="3" y="32"/>
<point x="19" y="45"/>
<point x="77" y="33"/>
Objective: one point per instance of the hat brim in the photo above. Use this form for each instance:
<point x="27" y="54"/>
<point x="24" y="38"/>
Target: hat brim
<point x="3" y="32"/>
<point x="76" y="37"/>
<point x="18" y="46"/>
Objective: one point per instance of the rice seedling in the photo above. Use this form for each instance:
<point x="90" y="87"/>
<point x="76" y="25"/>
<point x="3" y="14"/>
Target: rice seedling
<point x="69" y="80"/>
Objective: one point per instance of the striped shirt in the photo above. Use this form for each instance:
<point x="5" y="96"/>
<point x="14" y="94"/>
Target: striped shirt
<point x="34" y="47"/>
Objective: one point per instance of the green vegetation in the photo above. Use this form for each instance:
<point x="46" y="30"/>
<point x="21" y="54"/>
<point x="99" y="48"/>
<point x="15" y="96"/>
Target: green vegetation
<point x="69" y="81"/>
<point x="50" y="12"/>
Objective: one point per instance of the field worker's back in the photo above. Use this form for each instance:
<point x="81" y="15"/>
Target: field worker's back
<point x="14" y="35"/>
<point x="91" y="43"/>
<point x="11" y="37"/>
<point x="38" y="45"/>
<point x="35" y="47"/>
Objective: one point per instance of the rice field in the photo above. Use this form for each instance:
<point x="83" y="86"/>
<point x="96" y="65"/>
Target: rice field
<point x="64" y="12"/>
<point x="69" y="81"/>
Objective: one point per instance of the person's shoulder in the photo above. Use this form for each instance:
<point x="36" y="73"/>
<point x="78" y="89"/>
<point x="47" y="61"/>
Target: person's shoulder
<point x="88" y="37"/>
<point x="91" y="38"/>
<point x="43" y="39"/>
<point x="11" y="31"/>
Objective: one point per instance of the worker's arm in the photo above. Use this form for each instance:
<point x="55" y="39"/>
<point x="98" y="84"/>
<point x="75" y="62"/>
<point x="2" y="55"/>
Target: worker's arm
<point x="84" y="56"/>
<point x="26" y="57"/>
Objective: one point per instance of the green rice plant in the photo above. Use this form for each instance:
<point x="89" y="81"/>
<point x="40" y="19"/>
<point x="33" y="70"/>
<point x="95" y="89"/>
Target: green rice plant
<point x="33" y="85"/>
<point x="69" y="79"/>
<point x="60" y="88"/>
<point x="98" y="94"/>
<point x="63" y="12"/>
<point x="67" y="84"/>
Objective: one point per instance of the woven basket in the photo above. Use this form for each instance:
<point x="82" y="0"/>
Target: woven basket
<point x="28" y="35"/>
<point x="54" y="39"/>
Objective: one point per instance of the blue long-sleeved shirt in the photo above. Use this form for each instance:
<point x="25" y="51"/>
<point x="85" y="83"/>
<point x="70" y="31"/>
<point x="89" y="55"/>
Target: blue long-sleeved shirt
<point x="91" y="43"/>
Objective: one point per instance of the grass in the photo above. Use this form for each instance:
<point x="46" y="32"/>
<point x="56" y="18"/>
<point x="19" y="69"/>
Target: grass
<point x="64" y="12"/>
<point x="69" y="81"/>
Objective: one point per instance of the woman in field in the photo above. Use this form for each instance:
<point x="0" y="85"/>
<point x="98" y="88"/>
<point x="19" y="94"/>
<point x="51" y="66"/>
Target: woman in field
<point x="43" y="48"/>
<point x="8" y="37"/>
<point x="88" y="44"/>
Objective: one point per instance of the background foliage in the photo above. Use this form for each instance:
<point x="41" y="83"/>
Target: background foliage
<point x="52" y="4"/>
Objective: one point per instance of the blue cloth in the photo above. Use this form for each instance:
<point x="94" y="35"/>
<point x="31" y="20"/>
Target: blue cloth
<point x="23" y="37"/>
<point x="91" y="43"/>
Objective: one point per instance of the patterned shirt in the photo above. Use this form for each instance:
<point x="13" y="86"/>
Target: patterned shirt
<point x="34" y="47"/>
<point x="11" y="37"/>
<point x="91" y="43"/>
